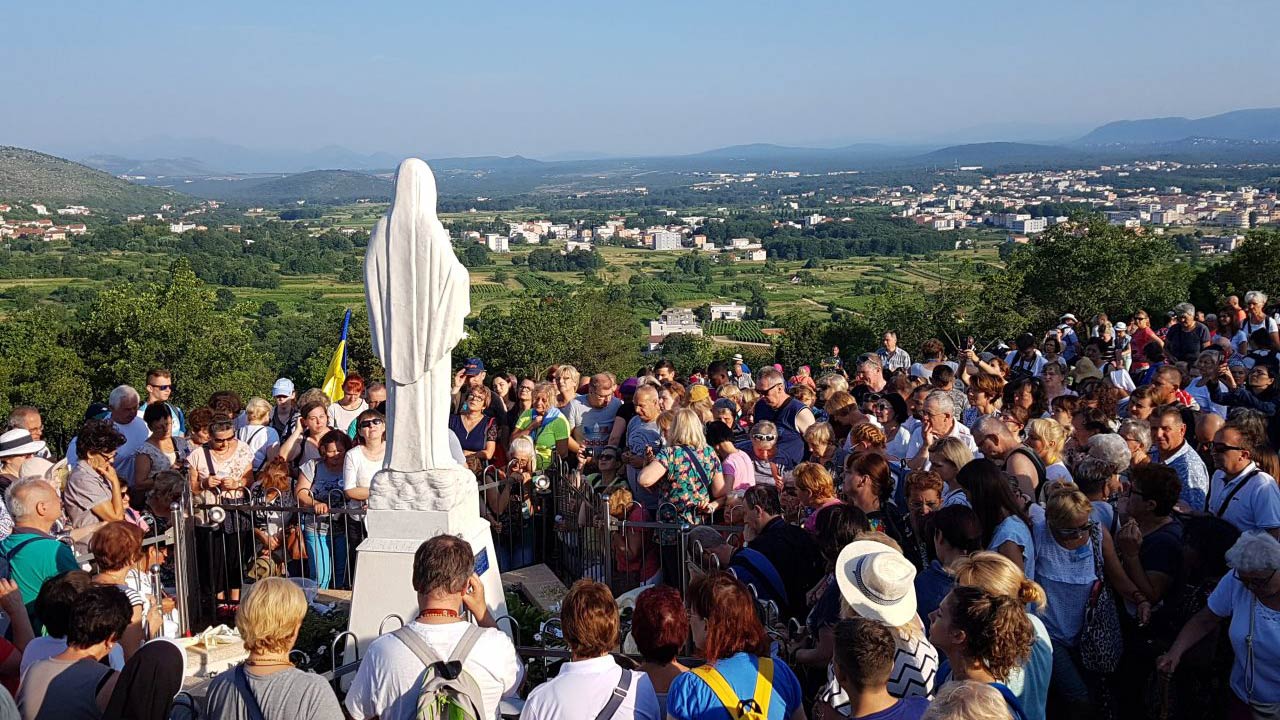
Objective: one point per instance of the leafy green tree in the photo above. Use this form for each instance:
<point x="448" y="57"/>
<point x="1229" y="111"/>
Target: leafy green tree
<point x="1089" y="266"/>
<point x="39" y="366"/>
<point x="1253" y="265"/>
<point x="223" y="300"/>
<point x="170" y="324"/>
<point x="578" y="328"/>
<point x="270" y="308"/>
<point x="689" y="353"/>
<point x="474" y="255"/>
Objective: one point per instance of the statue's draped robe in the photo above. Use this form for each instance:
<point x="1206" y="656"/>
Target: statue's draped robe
<point x="418" y="295"/>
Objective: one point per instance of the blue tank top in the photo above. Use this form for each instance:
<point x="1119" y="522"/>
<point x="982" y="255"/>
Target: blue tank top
<point x="790" y="443"/>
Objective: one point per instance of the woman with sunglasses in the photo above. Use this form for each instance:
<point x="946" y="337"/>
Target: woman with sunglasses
<point x="1249" y="599"/>
<point x="365" y="459"/>
<point x="223" y="471"/>
<point x="1259" y="392"/>
<point x="1068" y="547"/>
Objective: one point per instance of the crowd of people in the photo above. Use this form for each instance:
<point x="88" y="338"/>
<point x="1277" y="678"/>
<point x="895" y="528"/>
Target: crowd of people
<point x="1084" y="523"/>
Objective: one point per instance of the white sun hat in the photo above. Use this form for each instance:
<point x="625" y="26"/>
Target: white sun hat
<point x="877" y="581"/>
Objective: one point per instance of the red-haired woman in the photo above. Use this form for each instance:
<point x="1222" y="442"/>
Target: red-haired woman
<point x="739" y="669"/>
<point x="659" y="628"/>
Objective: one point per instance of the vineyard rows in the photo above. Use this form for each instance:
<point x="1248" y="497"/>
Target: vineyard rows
<point x="744" y="331"/>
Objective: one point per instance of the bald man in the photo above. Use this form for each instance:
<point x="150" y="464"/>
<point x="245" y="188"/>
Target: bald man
<point x="34" y="555"/>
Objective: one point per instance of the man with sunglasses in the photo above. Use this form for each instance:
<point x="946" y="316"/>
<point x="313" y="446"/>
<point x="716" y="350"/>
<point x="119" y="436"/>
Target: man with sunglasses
<point x="790" y="416"/>
<point x="938" y="420"/>
<point x="1240" y="492"/>
<point x="159" y="390"/>
<point x="869" y="379"/>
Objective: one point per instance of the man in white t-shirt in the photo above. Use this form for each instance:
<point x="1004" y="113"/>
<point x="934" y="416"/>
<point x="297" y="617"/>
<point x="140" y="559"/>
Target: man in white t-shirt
<point x="387" y="683"/>
<point x="1250" y="496"/>
<point x="938" y="420"/>
<point x="592" y="683"/>
<point x="123" y="403"/>
<point x="1026" y="359"/>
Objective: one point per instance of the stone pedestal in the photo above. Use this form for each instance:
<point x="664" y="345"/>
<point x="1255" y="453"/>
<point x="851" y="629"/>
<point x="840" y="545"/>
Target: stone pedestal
<point x="406" y="509"/>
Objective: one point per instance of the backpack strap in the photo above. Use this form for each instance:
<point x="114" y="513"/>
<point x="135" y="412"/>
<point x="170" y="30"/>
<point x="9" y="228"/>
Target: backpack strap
<point x="241" y="680"/>
<point x="619" y="694"/>
<point x="726" y="695"/>
<point x="417" y="645"/>
<point x="464" y="646"/>
<point x="13" y="552"/>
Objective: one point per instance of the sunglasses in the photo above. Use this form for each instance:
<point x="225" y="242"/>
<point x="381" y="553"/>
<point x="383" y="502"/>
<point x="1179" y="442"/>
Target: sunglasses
<point x="1075" y="532"/>
<point x="1220" y="448"/>
<point x="221" y="440"/>
<point x="369" y="423"/>
<point x="162" y="388"/>
<point x="764" y="437"/>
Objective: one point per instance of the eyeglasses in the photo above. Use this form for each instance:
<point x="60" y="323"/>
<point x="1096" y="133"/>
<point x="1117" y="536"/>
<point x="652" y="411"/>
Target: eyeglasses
<point x="918" y="505"/>
<point x="1075" y="532"/>
<point x="221" y="440"/>
<point x="764" y="437"/>
<point x="1253" y="583"/>
<point x="374" y="422"/>
<point x="1220" y="448"/>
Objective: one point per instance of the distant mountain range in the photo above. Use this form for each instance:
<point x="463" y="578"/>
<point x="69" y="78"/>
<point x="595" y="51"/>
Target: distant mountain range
<point x="315" y="186"/>
<point x="1261" y="124"/>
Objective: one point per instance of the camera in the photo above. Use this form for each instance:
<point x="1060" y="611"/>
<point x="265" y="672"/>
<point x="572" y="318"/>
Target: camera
<point x="541" y="483"/>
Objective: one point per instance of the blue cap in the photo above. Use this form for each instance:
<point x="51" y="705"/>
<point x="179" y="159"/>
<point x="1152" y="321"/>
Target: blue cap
<point x="283" y="386"/>
<point x="473" y="366"/>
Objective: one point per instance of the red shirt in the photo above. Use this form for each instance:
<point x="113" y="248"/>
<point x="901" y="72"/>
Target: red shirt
<point x="1141" y="337"/>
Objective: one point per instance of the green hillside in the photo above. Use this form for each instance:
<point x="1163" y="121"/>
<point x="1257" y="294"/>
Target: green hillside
<point x="29" y="176"/>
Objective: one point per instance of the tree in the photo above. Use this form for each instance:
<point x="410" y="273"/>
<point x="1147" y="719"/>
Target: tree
<point x="270" y="308"/>
<point x="39" y="366"/>
<point x="474" y="255"/>
<point x="172" y="324"/>
<point x="689" y="353"/>
<point x="223" y="300"/>
<point x="579" y="328"/>
<point x="1089" y="266"/>
<point x="1253" y="265"/>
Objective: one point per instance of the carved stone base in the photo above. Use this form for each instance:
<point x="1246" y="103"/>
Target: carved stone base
<point x="402" y="515"/>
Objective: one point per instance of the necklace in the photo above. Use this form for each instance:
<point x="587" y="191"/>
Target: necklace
<point x="267" y="663"/>
<point x="440" y="612"/>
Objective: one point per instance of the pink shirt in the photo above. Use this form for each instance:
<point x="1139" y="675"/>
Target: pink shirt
<point x="739" y="471"/>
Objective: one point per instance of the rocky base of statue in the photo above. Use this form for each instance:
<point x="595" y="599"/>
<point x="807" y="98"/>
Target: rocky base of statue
<point x="404" y="512"/>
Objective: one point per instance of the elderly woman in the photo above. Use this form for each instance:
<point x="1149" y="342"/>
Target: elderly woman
<point x="1206" y="383"/>
<point x="269" y="620"/>
<point x="162" y="450"/>
<point x="1249" y="598"/>
<point x="1256" y="318"/>
<point x="565" y="379"/>
<point x="1113" y="450"/>
<point x="770" y="469"/>
<point x="476" y="431"/>
<point x="815" y="489"/>
<point x="1055" y="381"/>
<point x="1137" y="437"/>
<point x="820" y="441"/>
<point x="545" y="425"/>
<point x="94" y="492"/>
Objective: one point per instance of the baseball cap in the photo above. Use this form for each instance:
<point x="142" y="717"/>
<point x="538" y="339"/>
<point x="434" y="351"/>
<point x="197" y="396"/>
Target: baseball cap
<point x="97" y="411"/>
<point x="473" y="366"/>
<point x="283" y="386"/>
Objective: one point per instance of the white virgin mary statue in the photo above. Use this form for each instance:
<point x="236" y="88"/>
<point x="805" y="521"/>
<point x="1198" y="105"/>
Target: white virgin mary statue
<point x="418" y="295"/>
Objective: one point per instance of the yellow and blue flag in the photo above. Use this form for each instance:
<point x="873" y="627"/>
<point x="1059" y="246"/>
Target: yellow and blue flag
<point x="337" y="373"/>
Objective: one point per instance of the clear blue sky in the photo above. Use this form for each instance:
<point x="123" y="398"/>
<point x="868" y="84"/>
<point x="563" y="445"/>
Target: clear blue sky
<point x="539" y="78"/>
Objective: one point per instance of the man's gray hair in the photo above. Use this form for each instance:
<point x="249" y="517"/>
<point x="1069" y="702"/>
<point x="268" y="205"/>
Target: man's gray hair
<point x="1255" y="296"/>
<point x="872" y="363"/>
<point x="1093" y="472"/>
<point x="768" y="374"/>
<point x="19" y="415"/>
<point x="20" y="497"/>
<point x="121" y="394"/>
<point x="1256" y="551"/>
<point x="940" y="400"/>
<point x="1111" y="448"/>
<point x="1137" y="430"/>
<point x="993" y="425"/>
<point x="1184" y="309"/>
<point x="764" y="427"/>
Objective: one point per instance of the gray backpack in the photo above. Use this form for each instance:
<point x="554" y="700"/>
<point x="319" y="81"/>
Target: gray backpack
<point x="446" y="691"/>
